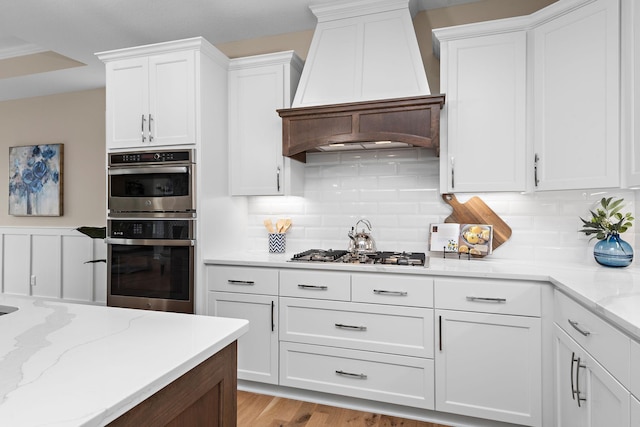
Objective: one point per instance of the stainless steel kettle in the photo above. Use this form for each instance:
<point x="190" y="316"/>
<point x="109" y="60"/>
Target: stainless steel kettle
<point x="361" y="242"/>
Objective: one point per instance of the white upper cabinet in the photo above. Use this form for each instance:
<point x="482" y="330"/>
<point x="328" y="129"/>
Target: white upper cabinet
<point x="151" y="95"/>
<point x="484" y="120"/>
<point x="576" y="67"/>
<point x="258" y="86"/>
<point x="630" y="92"/>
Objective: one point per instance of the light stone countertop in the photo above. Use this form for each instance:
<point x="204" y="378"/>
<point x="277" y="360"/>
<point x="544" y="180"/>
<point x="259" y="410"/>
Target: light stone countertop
<point x="65" y="364"/>
<point x="613" y="293"/>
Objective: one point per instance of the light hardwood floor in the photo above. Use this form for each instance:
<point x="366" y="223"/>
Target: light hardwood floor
<point x="259" y="410"/>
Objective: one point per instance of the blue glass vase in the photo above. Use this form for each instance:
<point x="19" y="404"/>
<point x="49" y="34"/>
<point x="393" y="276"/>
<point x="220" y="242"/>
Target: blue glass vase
<point x="613" y="252"/>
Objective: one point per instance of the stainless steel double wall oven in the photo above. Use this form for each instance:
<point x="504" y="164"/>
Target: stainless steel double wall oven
<point x="151" y="230"/>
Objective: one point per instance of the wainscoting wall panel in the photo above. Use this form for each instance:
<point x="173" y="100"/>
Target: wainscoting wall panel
<point x="53" y="263"/>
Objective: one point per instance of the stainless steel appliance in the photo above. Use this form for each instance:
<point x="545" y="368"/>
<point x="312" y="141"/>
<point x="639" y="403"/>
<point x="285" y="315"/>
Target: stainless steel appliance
<point x="152" y="182"/>
<point x="371" y="258"/>
<point x="151" y="264"/>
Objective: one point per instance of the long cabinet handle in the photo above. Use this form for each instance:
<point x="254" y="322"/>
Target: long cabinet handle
<point x="453" y="176"/>
<point x="273" y="320"/>
<point x="142" y="128"/>
<point x="536" y="159"/>
<point x="578" y="366"/>
<point x="394" y="293"/>
<point x="278" y="179"/>
<point x="440" y="332"/>
<point x="578" y="328"/>
<point x="486" y="299"/>
<point x="351" y="375"/>
<point x="353" y="327"/>
<point x="573" y="389"/>
<point x="241" y="282"/>
<point x="150" y="131"/>
<point x="313" y="287"/>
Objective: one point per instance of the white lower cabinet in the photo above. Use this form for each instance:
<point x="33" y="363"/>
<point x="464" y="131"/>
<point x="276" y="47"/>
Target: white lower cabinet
<point x="635" y="411"/>
<point x="368" y="375"/>
<point x="586" y="394"/>
<point x="252" y="294"/>
<point x="489" y="364"/>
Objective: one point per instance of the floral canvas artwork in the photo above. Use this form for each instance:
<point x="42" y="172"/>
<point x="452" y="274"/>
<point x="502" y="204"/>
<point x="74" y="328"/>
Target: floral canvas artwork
<point x="35" y="180"/>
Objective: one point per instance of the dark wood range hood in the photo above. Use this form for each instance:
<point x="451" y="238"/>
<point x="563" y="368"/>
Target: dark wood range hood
<point x="414" y="121"/>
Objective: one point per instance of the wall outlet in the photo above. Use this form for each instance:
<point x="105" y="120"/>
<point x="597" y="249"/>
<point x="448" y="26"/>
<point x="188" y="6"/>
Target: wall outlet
<point x="33" y="280"/>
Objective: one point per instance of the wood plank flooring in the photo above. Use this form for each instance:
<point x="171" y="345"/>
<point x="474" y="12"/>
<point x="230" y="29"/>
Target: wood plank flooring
<point x="259" y="410"/>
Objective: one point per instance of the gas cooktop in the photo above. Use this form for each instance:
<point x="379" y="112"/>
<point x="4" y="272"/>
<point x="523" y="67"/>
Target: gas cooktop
<point x="380" y="257"/>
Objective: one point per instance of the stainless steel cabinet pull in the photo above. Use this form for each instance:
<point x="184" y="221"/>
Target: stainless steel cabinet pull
<point x="578" y="366"/>
<point x="487" y="299"/>
<point x="273" y="321"/>
<point x="573" y="390"/>
<point x="150" y="131"/>
<point x="453" y="177"/>
<point x="349" y="374"/>
<point x="396" y="293"/>
<point x="535" y="170"/>
<point x="241" y="282"/>
<point x="278" y="179"/>
<point x="357" y="328"/>
<point x="314" y="287"/>
<point x="142" y="128"/>
<point x="578" y="328"/>
<point x="440" y="331"/>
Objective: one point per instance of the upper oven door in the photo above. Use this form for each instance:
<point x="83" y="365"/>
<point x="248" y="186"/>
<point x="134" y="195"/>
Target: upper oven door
<point x="151" y="189"/>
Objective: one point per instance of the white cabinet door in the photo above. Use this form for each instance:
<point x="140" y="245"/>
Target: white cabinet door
<point x="576" y="98"/>
<point x="258" y="86"/>
<point x="586" y="394"/>
<point x="635" y="412"/>
<point x="258" y="348"/>
<point x="127" y="102"/>
<point x="484" y="78"/>
<point x="489" y="366"/>
<point x="151" y="100"/>
<point x="630" y="92"/>
<point x="172" y="101"/>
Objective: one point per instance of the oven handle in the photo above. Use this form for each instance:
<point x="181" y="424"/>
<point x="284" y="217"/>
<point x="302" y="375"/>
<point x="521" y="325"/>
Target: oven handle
<point x="140" y="170"/>
<point x="149" y="242"/>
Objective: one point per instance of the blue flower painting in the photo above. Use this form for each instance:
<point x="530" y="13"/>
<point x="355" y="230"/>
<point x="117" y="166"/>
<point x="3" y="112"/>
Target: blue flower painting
<point x="35" y="180"/>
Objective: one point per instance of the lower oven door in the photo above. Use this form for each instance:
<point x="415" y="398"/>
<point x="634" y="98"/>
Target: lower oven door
<point x="151" y="274"/>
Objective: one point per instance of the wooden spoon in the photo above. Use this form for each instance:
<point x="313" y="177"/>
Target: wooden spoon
<point x="269" y="225"/>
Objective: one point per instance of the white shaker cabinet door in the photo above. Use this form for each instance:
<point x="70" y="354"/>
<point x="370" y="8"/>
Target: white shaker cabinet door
<point x="576" y="99"/>
<point x="484" y="78"/>
<point x="586" y="394"/>
<point x="630" y="92"/>
<point x="127" y="91"/>
<point x="258" y="348"/>
<point x="172" y="100"/>
<point x="489" y="366"/>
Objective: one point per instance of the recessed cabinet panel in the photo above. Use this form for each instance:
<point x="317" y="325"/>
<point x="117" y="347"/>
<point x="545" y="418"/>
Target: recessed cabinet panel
<point x="576" y="97"/>
<point x="630" y="91"/>
<point x="484" y="78"/>
<point x="489" y="366"/>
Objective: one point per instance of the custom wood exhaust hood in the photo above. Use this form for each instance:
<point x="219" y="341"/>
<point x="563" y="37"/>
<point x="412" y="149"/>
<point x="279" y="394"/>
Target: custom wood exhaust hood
<point x="412" y="121"/>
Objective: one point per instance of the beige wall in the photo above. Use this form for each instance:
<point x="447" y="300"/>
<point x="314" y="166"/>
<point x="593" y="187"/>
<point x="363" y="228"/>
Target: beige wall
<point x="75" y="120"/>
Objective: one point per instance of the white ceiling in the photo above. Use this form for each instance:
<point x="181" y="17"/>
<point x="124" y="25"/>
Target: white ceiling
<point x="79" y="28"/>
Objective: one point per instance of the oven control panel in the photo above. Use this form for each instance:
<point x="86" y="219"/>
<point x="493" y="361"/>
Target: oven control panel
<point x="145" y="157"/>
<point x="151" y="229"/>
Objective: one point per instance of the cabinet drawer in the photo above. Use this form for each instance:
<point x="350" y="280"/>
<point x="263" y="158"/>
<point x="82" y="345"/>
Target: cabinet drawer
<point x="381" y="328"/>
<point x="249" y="280"/>
<point x="610" y="347"/>
<point x="315" y="284"/>
<point x="388" y="378"/>
<point x="489" y="296"/>
<point x="416" y="291"/>
<point x="634" y="387"/>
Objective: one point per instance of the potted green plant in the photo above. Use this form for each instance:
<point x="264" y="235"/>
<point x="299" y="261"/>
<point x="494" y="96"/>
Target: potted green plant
<point x="606" y="224"/>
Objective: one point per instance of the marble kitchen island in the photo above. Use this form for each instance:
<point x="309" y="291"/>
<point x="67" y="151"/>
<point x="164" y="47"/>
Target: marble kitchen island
<point x="65" y="364"/>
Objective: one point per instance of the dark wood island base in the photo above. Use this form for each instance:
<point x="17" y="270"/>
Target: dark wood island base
<point x="205" y="396"/>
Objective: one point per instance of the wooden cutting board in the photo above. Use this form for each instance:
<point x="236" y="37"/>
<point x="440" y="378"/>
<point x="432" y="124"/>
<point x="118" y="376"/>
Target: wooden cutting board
<point x="475" y="211"/>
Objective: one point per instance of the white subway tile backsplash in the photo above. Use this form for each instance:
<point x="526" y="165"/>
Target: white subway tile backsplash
<point x="398" y="191"/>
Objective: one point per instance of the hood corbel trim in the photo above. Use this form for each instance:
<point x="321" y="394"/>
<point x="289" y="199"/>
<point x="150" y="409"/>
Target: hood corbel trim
<point x="414" y="121"/>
